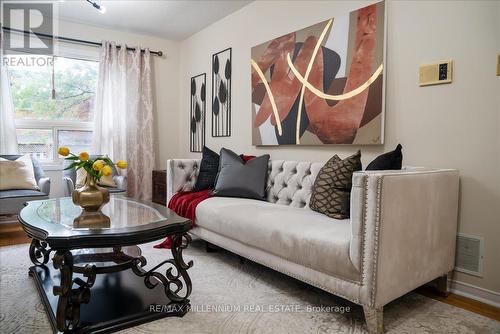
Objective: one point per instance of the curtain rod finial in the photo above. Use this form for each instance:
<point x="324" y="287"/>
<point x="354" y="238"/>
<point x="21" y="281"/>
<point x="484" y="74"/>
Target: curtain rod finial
<point x="160" y="53"/>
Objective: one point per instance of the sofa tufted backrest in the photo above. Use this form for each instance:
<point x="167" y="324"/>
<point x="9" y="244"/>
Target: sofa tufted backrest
<point x="181" y="175"/>
<point x="291" y="182"/>
<point x="288" y="182"/>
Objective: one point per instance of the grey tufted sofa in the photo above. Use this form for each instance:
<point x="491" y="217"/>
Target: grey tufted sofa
<point x="12" y="201"/>
<point x="401" y="233"/>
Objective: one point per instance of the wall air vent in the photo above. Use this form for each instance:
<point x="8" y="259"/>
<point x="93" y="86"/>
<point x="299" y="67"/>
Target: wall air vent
<point x="469" y="254"/>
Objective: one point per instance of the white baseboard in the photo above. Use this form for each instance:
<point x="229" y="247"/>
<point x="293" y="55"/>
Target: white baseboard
<point x="474" y="292"/>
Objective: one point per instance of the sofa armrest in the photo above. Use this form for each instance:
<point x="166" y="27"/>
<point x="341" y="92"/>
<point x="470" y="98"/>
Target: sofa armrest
<point x="44" y="185"/>
<point x="181" y="175"/>
<point x="69" y="186"/>
<point x="121" y="181"/>
<point x="404" y="228"/>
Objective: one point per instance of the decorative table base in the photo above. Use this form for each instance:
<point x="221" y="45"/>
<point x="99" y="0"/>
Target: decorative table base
<point x="118" y="300"/>
<point x="95" y="279"/>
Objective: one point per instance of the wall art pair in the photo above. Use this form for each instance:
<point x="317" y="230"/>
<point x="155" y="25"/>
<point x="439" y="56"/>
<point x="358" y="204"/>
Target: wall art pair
<point x="220" y="101"/>
<point x="324" y="84"/>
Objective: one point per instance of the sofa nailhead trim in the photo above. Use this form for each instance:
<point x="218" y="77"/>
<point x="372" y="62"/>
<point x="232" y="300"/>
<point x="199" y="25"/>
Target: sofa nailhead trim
<point x="375" y="248"/>
<point x="364" y="220"/>
<point x="364" y="281"/>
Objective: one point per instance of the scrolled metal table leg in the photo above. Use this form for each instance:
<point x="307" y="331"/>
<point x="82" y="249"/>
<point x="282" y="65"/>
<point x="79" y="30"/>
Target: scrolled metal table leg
<point x="176" y="275"/>
<point x="63" y="261"/>
<point x="179" y="243"/>
<point x="39" y="250"/>
<point x="68" y="305"/>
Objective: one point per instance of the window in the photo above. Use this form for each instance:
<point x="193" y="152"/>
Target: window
<point x="76" y="140"/>
<point x="37" y="142"/>
<point x="54" y="105"/>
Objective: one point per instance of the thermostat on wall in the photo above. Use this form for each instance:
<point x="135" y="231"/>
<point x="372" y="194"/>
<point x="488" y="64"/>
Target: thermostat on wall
<point x="436" y="73"/>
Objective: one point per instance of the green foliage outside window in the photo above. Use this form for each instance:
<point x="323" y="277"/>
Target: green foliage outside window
<point x="74" y="90"/>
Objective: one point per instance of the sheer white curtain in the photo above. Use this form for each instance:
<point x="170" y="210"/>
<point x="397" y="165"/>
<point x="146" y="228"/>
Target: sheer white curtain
<point x="123" y="127"/>
<point x="8" y="139"/>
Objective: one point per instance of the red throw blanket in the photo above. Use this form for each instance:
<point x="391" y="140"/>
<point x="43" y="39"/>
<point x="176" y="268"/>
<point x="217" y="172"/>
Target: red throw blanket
<point x="184" y="204"/>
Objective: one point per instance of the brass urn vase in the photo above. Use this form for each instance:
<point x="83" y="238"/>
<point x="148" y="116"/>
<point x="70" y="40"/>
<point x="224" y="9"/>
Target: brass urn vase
<point x="90" y="197"/>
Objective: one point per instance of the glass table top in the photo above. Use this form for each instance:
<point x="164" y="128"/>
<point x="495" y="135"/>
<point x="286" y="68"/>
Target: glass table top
<point x="119" y="212"/>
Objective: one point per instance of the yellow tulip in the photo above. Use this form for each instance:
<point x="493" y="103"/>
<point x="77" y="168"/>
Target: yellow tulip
<point x="98" y="165"/>
<point x="106" y="170"/>
<point x="121" y="164"/>
<point x="83" y="156"/>
<point x="64" y="151"/>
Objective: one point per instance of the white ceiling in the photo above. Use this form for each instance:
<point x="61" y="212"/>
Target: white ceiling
<point x="173" y="20"/>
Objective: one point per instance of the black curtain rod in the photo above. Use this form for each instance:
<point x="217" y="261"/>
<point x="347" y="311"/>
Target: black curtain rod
<point x="72" y="40"/>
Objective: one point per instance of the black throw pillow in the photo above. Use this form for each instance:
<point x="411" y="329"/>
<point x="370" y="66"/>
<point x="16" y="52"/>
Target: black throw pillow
<point x="209" y="168"/>
<point x="387" y="161"/>
<point x="239" y="179"/>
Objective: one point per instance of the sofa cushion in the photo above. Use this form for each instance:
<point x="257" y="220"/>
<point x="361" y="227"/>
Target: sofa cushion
<point x="17" y="174"/>
<point x="296" y="234"/>
<point x="323" y="187"/>
<point x="209" y="167"/>
<point x="12" y="201"/>
<point x="331" y="193"/>
<point x="37" y="168"/>
<point x="239" y="179"/>
<point x="388" y="161"/>
<point x="21" y="193"/>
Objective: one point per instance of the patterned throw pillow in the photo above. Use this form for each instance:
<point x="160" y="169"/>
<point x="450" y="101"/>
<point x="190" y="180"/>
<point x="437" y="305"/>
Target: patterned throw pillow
<point x="331" y="193"/>
<point x="209" y="167"/>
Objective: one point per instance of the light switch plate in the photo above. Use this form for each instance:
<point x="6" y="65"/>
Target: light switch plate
<point x="436" y="73"/>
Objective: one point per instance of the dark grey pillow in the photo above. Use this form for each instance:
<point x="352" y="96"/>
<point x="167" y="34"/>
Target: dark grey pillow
<point x="239" y="179"/>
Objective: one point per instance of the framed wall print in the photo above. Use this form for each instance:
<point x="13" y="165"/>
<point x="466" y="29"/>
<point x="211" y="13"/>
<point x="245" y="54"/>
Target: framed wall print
<point x="221" y="93"/>
<point x="323" y="84"/>
<point x="197" y="113"/>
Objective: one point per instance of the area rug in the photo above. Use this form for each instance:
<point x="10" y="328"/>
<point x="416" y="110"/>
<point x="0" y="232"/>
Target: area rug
<point x="232" y="296"/>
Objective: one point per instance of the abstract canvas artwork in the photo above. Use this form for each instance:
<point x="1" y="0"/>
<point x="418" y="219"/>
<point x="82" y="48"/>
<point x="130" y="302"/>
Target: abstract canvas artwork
<point x="197" y="113"/>
<point x="221" y="93"/>
<point x="323" y="84"/>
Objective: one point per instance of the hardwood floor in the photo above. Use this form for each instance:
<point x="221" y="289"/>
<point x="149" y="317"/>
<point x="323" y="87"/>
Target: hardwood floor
<point x="462" y="302"/>
<point x="11" y="233"/>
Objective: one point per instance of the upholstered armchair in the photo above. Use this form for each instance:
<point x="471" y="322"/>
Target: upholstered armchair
<point x="69" y="180"/>
<point x="12" y="201"/>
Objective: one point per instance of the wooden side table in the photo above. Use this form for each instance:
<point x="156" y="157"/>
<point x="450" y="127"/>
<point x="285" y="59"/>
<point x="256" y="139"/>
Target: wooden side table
<point x="160" y="187"/>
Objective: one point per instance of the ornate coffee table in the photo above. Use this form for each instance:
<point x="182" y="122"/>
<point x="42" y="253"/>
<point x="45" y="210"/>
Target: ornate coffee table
<point x="97" y="281"/>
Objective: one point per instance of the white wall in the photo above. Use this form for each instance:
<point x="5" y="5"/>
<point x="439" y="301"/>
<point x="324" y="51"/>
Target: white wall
<point x="165" y="86"/>
<point x="450" y="126"/>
